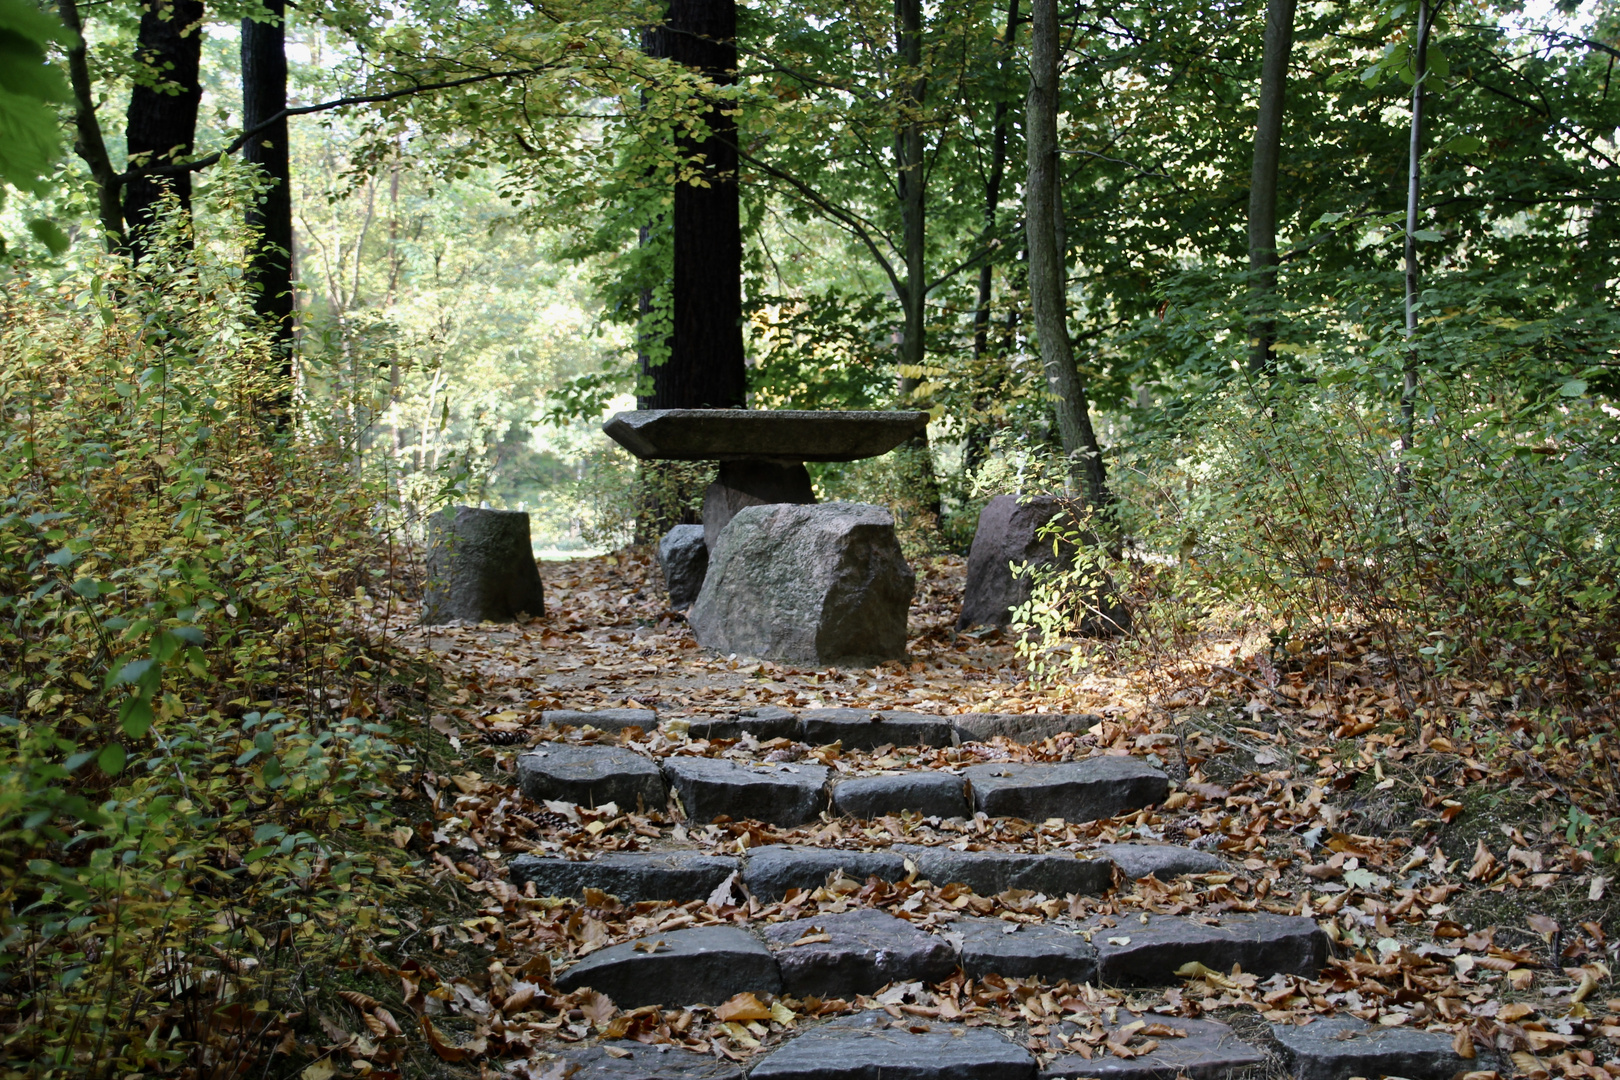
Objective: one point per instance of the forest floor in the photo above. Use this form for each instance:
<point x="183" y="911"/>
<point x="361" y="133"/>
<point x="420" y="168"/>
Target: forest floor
<point x="1430" y="838"/>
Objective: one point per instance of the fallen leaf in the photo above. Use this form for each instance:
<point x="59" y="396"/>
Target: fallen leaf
<point x="744" y="1006"/>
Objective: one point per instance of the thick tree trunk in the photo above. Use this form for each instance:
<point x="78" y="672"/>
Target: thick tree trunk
<point x="1048" y="270"/>
<point x="1414" y="189"/>
<point x="162" y="124"/>
<point x="264" y="94"/>
<point x="90" y="145"/>
<point x="1279" y="41"/>
<point x="705" y="367"/>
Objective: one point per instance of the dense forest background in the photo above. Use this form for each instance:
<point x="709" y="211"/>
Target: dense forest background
<point x="1309" y="308"/>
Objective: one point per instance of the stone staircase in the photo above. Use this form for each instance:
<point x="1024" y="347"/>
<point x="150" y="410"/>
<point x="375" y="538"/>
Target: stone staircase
<point x="844" y="954"/>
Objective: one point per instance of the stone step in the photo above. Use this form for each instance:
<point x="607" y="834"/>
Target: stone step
<point x="1132" y="952"/>
<point x="790" y="794"/>
<point x="857" y="729"/>
<point x="872" y="1045"/>
<point x="1340" y="1047"/>
<point x="855" y="952"/>
<point x="768" y="872"/>
<point x="1206" y="1050"/>
<point x="702" y="965"/>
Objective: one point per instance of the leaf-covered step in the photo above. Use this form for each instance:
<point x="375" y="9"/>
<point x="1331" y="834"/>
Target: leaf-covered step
<point x="855" y="952"/>
<point x="699" y="965"/>
<point x="632" y="876"/>
<point x="1148" y="950"/>
<point x="591" y="776"/>
<point x="775" y="868"/>
<point x="870" y="1045"/>
<point x="778" y="794"/>
<point x="1099" y="787"/>
<point x="1181" y="1047"/>
<point x="1341" y="1047"/>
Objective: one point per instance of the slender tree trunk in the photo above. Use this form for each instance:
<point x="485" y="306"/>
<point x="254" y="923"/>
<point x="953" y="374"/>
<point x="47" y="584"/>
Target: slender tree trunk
<point x="705" y="367"/>
<point x="264" y="94"/>
<point x="162" y="109"/>
<point x="978" y="439"/>
<point x="1048" y="270"/>
<point x="1279" y="41"/>
<point x="908" y="166"/>
<point x="90" y="145"/>
<point x="1414" y="188"/>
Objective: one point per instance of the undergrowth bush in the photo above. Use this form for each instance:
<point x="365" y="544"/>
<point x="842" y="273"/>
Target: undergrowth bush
<point x="192" y="767"/>
<point x="1486" y="551"/>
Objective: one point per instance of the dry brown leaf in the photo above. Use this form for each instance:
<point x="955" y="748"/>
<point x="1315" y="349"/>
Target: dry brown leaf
<point x="744" y="1006"/>
<point x="1485" y="864"/>
<point x="364" y="1002"/>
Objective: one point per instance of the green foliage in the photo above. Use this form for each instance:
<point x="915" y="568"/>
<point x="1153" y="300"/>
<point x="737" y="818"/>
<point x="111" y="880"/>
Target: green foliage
<point x="29" y="90"/>
<point x="191" y="757"/>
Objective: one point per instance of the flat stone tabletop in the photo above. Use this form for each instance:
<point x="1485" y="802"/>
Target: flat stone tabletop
<point x="737" y="434"/>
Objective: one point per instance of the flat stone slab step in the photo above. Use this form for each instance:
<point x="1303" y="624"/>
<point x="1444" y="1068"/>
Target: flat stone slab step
<point x="591" y="776"/>
<point x="775" y="868"/>
<point x="1341" y="1047"/>
<point x="700" y="965"/>
<point x="1057" y="874"/>
<point x="1162" y="861"/>
<point x="632" y="876"/>
<point x="778" y="794"/>
<point x="1100" y="787"/>
<point x="856" y="952"/>
<point x="929" y="792"/>
<point x="860" y="951"/>
<point x="769" y="872"/>
<point x="865" y="729"/>
<point x="858" y="729"/>
<point x="630" y="1060"/>
<point x="870" y="1045"/>
<point x="1024" y="951"/>
<point x="1207" y="1051"/>
<point x="1134" y="953"/>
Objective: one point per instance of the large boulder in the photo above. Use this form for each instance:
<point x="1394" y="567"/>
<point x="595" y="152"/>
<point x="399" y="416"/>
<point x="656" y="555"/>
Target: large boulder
<point x="751" y="483"/>
<point x="1010" y="533"/>
<point x="823" y="584"/>
<point x="685" y="559"/>
<point x="480" y="567"/>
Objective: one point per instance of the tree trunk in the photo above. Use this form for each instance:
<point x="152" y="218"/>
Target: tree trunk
<point x="90" y="145"/>
<point x="162" y="109"/>
<point x="705" y="367"/>
<point x="1279" y="41"/>
<point x="264" y="94"/>
<point x="992" y="193"/>
<point x="1048" y="270"/>
<point x="1414" y="187"/>
<point x="908" y="167"/>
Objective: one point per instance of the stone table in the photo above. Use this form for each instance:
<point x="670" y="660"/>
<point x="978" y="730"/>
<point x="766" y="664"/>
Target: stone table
<point x="761" y="451"/>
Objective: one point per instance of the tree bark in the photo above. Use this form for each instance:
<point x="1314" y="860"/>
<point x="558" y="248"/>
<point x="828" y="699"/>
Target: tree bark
<point x="1414" y="188"/>
<point x="90" y="145"/>
<point x="911" y="90"/>
<point x="705" y="367"/>
<point x="992" y="193"/>
<point x="1048" y="269"/>
<point x="162" y="123"/>
<point x="264" y="94"/>
<point x="1279" y="41"/>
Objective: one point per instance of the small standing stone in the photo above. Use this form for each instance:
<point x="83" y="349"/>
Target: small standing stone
<point x="480" y="567"/>
<point x="591" y="776"/>
<point x="1010" y="534"/>
<point x="822" y="584"/>
<point x="868" y="949"/>
<point x="685" y="559"/>
<point x="703" y="965"/>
